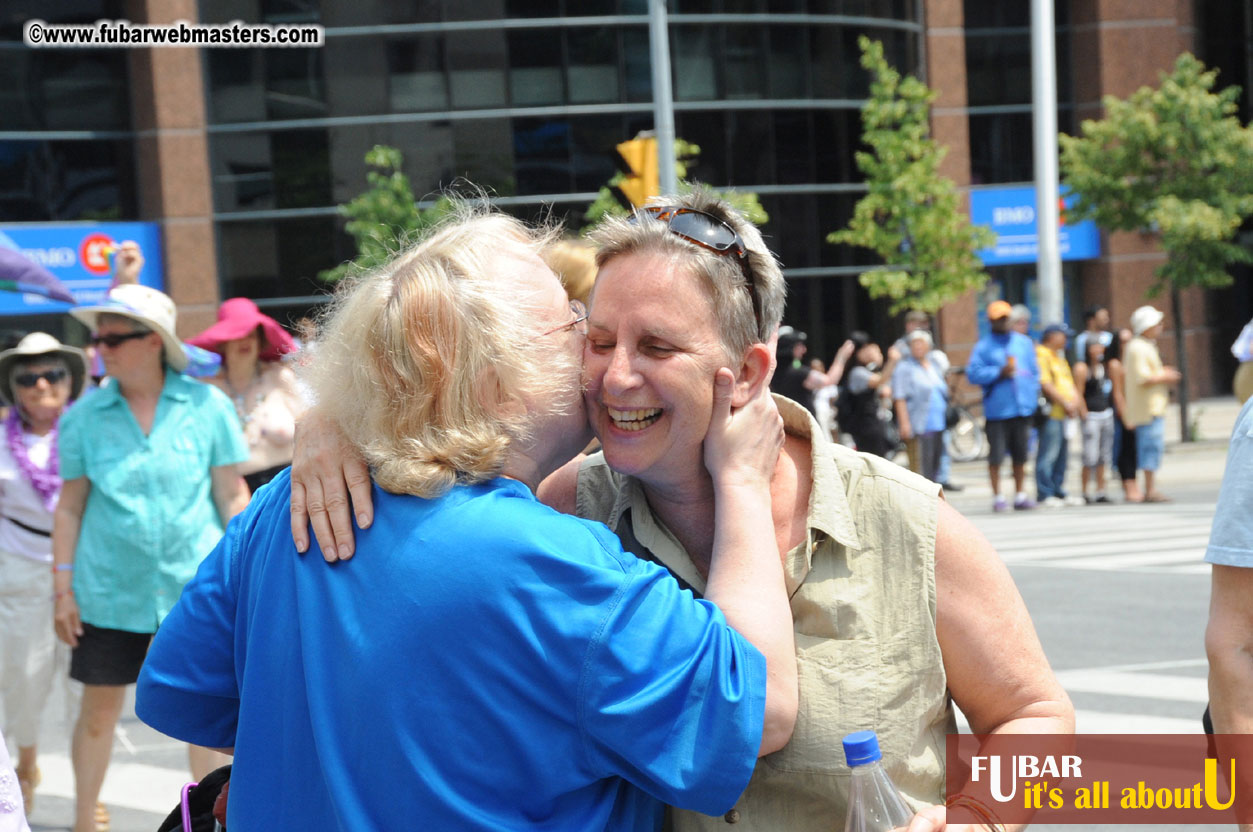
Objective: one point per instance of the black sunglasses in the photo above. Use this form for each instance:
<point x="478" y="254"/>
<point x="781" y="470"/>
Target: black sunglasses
<point x="707" y="231"/>
<point x="115" y="339"/>
<point x="31" y="379"/>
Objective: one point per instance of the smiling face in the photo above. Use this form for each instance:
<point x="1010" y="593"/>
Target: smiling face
<point x="653" y="348"/>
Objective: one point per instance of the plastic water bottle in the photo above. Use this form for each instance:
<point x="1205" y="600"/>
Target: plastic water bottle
<point x="874" y="804"/>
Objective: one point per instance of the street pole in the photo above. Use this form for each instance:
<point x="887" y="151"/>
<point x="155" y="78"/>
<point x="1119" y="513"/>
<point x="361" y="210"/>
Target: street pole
<point x="663" y="102"/>
<point x="1044" y="135"/>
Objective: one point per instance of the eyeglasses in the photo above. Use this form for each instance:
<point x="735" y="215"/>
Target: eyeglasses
<point x="31" y="379"/>
<point x="115" y="339"/>
<point x="707" y="231"/>
<point x="579" y="322"/>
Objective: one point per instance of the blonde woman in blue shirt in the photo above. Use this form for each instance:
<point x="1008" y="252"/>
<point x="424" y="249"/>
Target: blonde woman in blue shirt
<point x="149" y="470"/>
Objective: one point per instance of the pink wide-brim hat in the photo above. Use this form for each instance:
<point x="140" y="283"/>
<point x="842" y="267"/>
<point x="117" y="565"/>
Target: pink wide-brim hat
<point x="236" y="318"/>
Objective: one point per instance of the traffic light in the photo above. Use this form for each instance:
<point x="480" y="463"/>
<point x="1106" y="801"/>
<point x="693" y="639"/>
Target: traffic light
<point x="640" y="158"/>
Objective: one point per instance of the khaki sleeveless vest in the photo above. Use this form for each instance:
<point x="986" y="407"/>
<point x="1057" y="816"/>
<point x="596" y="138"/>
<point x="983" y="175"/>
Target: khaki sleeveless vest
<point x="863" y="602"/>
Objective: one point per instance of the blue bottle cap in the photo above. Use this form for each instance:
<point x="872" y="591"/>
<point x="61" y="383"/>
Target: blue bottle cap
<point x="861" y="747"/>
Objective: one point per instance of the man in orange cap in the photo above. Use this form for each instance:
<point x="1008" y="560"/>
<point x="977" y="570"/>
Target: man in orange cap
<point x="1004" y="364"/>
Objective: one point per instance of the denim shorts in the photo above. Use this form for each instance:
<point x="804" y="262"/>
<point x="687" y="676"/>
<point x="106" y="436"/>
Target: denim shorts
<point x="1150" y="444"/>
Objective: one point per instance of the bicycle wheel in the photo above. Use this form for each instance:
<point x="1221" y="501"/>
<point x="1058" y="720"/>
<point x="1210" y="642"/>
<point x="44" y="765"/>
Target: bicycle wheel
<point x="965" y="441"/>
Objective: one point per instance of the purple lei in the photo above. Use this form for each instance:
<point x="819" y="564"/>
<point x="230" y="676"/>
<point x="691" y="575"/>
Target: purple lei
<point x="46" y="483"/>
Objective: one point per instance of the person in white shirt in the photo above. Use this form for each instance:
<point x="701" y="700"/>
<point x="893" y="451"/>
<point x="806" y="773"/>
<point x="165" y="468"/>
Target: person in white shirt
<point x="38" y="378"/>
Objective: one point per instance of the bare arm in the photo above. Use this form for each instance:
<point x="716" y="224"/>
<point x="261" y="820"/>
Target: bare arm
<point x="1167" y="375"/>
<point x="746" y="573"/>
<point x="328" y="478"/>
<point x="1229" y="647"/>
<point x="67" y="522"/>
<point x="816" y="380"/>
<point x="902" y="419"/>
<point x="230" y="493"/>
<point x="1118" y="390"/>
<point x="997" y="671"/>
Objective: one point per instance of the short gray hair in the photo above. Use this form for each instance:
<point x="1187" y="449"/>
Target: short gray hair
<point x="730" y="286"/>
<point x="415" y="357"/>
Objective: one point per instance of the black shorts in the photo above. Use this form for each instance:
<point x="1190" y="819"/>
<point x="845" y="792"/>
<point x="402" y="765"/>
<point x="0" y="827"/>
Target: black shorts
<point x="108" y="657"/>
<point x="1012" y="434"/>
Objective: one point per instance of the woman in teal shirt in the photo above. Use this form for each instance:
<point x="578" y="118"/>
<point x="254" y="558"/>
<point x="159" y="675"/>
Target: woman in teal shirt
<point x="149" y="470"/>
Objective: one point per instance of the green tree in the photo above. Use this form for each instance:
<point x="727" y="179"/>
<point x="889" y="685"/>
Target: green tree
<point x="685" y="154"/>
<point x="1174" y="162"/>
<point x="385" y="216"/>
<point x="912" y="216"/>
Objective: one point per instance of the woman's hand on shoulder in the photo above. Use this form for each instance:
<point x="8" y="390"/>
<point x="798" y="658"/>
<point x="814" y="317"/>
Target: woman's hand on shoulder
<point x="328" y="480"/>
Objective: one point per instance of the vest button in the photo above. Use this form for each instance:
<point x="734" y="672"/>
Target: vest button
<point x="732" y="816"/>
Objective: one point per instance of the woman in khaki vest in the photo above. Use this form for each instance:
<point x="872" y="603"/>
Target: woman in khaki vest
<point x="900" y="606"/>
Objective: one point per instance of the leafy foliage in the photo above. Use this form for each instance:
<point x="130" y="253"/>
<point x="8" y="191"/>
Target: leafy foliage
<point x="1174" y="161"/>
<point x="383" y="217"/>
<point x="685" y="154"/>
<point x="912" y="216"/>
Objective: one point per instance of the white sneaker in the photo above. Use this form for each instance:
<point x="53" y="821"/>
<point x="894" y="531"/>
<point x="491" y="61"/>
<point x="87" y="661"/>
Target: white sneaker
<point x="1075" y="501"/>
<point x="1052" y="502"/>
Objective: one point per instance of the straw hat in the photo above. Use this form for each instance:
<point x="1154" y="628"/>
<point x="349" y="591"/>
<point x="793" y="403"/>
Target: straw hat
<point x="42" y="345"/>
<point x="146" y="305"/>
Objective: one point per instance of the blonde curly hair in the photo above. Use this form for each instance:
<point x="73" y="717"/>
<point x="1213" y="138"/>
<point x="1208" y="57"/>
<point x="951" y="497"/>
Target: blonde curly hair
<point x="418" y="361"/>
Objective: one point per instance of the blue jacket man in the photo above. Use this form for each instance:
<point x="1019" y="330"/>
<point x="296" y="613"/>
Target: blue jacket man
<point x="1004" y="364"/>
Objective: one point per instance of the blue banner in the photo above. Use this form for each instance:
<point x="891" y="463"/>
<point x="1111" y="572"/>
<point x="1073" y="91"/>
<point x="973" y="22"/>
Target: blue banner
<point x="78" y="254"/>
<point x="1010" y="213"/>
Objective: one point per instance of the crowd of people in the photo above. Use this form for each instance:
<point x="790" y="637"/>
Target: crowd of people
<point x="1105" y="389"/>
<point x="118" y="475"/>
<point x="673" y="631"/>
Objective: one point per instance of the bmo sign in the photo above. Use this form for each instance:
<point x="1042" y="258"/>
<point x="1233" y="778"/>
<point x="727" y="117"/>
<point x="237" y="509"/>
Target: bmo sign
<point x="80" y="256"/>
<point x="1010" y="213"/>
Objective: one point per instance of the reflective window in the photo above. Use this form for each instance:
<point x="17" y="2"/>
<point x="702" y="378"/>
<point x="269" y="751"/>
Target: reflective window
<point x="279" y="258"/>
<point x="64" y="89"/>
<point x="592" y="70"/>
<point x="837" y="136"/>
<point x="695" y="63"/>
<point x="476" y="69"/>
<point x="67" y="180"/>
<point x="745" y="61"/>
<point x="708" y="131"/>
<point x="794" y="147"/>
<point x="751" y="148"/>
<point x="535" y="68"/>
<point x="636" y="64"/>
<point x="997" y="14"/>
<point x="1001" y="148"/>
<point x="415" y="75"/>
<point x="789" y="71"/>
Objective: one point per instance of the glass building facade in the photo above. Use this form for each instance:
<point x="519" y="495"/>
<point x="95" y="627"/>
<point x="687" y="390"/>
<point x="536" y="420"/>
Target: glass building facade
<point x="528" y="99"/>
<point x="67" y="148"/>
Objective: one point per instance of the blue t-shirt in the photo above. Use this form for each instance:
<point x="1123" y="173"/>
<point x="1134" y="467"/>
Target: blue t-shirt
<point x="484" y="662"/>
<point x="1005" y="398"/>
<point x="1231" y="538"/>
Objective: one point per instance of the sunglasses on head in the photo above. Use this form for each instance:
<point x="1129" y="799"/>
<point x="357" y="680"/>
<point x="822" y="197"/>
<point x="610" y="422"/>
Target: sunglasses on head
<point x="31" y="379"/>
<point x="709" y="232"/>
<point x="116" y="339"/>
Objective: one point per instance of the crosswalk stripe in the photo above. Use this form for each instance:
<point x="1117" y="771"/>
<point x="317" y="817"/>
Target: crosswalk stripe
<point x="1138" y="685"/>
<point x="1127" y="560"/>
<point x="1174" y="544"/>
